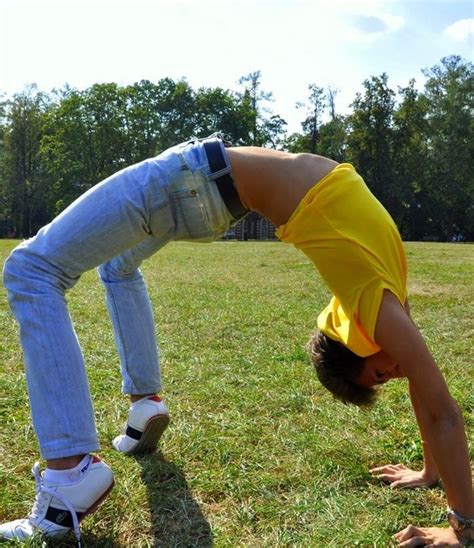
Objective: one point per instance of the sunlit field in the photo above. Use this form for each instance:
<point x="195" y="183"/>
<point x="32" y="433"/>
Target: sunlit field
<point x="257" y="453"/>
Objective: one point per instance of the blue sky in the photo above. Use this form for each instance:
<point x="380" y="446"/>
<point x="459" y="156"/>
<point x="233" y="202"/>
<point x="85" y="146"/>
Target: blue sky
<point x="215" y="42"/>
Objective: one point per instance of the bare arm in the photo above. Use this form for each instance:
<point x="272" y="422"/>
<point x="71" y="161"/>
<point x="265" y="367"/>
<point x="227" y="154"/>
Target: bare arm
<point x="430" y="470"/>
<point x="399" y="475"/>
<point x="438" y="415"/>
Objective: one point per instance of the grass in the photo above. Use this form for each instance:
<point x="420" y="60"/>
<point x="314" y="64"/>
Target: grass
<point x="257" y="454"/>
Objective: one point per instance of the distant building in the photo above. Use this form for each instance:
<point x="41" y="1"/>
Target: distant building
<point x="252" y="227"/>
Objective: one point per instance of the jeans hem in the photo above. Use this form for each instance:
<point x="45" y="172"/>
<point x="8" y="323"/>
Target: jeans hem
<point x="131" y="390"/>
<point x="69" y="451"/>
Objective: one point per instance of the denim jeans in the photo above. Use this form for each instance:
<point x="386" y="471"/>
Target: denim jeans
<point x="116" y="224"/>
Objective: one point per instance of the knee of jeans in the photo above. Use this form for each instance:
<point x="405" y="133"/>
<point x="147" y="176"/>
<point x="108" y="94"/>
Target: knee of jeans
<point x="25" y="272"/>
<point x="12" y="269"/>
<point x="16" y="275"/>
<point x="115" y="271"/>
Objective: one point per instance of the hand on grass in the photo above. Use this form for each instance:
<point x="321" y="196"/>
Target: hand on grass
<point x="428" y="536"/>
<point x="398" y="475"/>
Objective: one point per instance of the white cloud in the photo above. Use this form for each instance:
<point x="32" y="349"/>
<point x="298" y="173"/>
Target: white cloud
<point x="460" y="30"/>
<point x="392" y="22"/>
<point x="369" y="27"/>
<point x="351" y="21"/>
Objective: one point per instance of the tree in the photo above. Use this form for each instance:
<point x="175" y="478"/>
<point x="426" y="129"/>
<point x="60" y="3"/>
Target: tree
<point x="314" y="111"/>
<point x="222" y="110"/>
<point x="25" y="189"/>
<point x="333" y="138"/>
<point x="327" y="139"/>
<point x="273" y="131"/>
<point x="266" y="129"/>
<point x="449" y="92"/>
<point x="331" y="95"/>
<point x="71" y="152"/>
<point x="4" y="206"/>
<point x="175" y="103"/>
<point x="3" y="117"/>
<point x="94" y="133"/>
<point x="142" y="119"/>
<point x="411" y="162"/>
<point x="370" y="138"/>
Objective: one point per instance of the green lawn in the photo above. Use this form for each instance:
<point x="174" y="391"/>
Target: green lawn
<point x="257" y="453"/>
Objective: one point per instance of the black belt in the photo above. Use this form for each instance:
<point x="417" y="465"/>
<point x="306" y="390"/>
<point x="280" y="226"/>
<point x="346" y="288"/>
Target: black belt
<point x="224" y="183"/>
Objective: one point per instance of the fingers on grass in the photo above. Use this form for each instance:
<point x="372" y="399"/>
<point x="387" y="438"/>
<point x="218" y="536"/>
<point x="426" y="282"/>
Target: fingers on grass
<point x="409" y="532"/>
<point x="388" y="468"/>
<point x="391" y="478"/>
<point x="405" y="484"/>
<point x="412" y="536"/>
<point x="385" y="477"/>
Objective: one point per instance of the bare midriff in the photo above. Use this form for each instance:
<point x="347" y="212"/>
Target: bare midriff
<point x="272" y="182"/>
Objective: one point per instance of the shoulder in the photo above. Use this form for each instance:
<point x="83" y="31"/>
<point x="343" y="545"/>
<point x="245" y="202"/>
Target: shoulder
<point x="395" y="331"/>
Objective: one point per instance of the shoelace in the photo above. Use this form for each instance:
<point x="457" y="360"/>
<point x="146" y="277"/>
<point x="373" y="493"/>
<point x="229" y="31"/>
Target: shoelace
<point x="42" y="490"/>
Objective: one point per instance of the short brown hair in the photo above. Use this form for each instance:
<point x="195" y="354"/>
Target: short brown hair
<point x="338" y="368"/>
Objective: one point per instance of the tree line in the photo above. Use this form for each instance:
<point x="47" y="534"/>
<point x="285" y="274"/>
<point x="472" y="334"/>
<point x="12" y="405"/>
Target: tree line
<point x="414" y="148"/>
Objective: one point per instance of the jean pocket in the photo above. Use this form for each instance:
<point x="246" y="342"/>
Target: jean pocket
<point x="189" y="204"/>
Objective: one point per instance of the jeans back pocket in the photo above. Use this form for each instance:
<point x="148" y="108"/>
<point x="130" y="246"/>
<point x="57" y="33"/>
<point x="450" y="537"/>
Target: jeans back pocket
<point x="188" y="201"/>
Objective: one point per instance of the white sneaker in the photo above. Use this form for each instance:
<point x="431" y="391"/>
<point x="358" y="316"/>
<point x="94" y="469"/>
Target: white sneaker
<point x="147" y="420"/>
<point x="59" y="508"/>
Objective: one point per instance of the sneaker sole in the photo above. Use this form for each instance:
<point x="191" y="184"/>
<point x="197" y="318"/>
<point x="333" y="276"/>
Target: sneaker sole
<point x="152" y="433"/>
<point x="98" y="502"/>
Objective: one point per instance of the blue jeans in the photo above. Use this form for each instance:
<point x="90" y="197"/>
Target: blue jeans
<point x="116" y="224"/>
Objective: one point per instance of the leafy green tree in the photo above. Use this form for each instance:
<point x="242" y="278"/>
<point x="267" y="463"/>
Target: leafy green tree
<point x="175" y="104"/>
<point x="267" y="129"/>
<point x="314" y="112"/>
<point x="3" y="117"/>
<point x="295" y="143"/>
<point x="25" y="188"/>
<point x="141" y="120"/>
<point x="222" y="110"/>
<point x="273" y="131"/>
<point x="253" y="98"/>
<point x="370" y="138"/>
<point x="94" y="133"/>
<point x="333" y="134"/>
<point x="104" y="108"/>
<point x="411" y="162"/>
<point x="70" y="150"/>
<point x="327" y="139"/>
<point x="449" y="91"/>
<point x="333" y="138"/>
<point x="4" y="206"/>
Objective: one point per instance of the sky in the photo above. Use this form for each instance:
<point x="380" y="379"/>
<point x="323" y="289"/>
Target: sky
<point x="212" y="43"/>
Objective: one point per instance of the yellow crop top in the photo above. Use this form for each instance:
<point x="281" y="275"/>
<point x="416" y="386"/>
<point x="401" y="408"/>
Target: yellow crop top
<point x="356" y="247"/>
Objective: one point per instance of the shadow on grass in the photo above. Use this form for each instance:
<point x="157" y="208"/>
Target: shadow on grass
<point x="87" y="541"/>
<point x="177" y="519"/>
